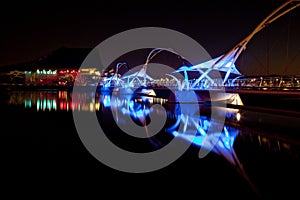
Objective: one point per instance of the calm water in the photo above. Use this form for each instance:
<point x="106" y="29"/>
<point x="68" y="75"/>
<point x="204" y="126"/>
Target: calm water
<point x="255" y="154"/>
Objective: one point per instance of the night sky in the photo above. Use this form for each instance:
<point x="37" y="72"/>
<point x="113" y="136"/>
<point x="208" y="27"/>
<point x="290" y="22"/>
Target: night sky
<point x="33" y="29"/>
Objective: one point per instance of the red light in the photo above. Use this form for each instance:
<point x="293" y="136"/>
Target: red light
<point x="61" y="105"/>
<point x="71" y="105"/>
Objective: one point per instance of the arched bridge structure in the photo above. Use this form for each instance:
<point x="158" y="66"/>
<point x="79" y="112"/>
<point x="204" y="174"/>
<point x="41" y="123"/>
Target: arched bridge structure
<point x="224" y="64"/>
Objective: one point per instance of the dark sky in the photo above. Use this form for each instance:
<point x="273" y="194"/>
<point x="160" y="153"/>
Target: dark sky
<point x="33" y="29"/>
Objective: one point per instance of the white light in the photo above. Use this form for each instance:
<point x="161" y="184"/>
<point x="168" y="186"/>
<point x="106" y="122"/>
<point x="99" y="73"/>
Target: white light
<point x="229" y="64"/>
<point x="238" y="116"/>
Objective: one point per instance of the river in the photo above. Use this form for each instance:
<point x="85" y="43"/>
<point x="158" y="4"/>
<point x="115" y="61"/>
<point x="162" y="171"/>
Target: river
<point x="255" y="153"/>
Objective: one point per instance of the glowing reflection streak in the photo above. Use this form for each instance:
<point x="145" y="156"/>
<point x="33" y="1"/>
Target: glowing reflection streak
<point x="222" y="144"/>
<point x="54" y="104"/>
<point x="219" y="144"/>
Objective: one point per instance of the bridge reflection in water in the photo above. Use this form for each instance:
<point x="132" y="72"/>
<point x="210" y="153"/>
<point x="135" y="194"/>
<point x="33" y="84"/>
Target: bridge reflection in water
<point x="193" y="128"/>
<point x="263" y="147"/>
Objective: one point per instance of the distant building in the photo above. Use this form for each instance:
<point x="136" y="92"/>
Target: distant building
<point x="59" y="68"/>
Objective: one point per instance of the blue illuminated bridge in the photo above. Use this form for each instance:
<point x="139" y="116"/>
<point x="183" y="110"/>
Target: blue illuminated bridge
<point x="228" y="77"/>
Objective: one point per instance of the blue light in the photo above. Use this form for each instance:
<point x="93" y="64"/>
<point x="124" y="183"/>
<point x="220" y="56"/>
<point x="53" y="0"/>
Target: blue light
<point x="48" y="104"/>
<point x="225" y="139"/>
<point x="227" y="144"/>
<point x="229" y="63"/>
<point x="226" y="131"/>
<point x="175" y="133"/>
<point x="198" y="141"/>
<point x="220" y="144"/>
<point x="106" y="101"/>
<point x="54" y="104"/>
<point x="139" y="113"/>
<point x="232" y="140"/>
<point x="27" y="103"/>
<point x="184" y="126"/>
<point x="201" y="131"/>
<point x="117" y="102"/>
<point x="124" y="111"/>
<point x="130" y="104"/>
<point x="206" y="124"/>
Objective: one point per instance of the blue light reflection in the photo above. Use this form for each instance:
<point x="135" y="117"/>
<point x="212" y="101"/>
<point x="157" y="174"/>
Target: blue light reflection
<point x="140" y="108"/>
